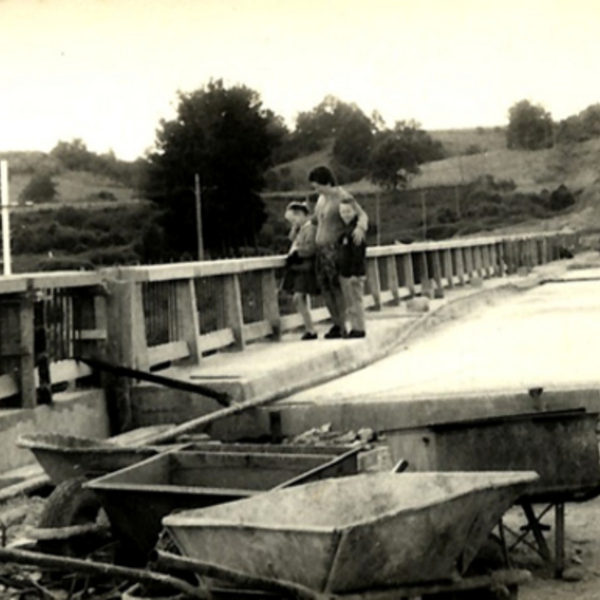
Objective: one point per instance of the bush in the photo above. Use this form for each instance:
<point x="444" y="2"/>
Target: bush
<point x="561" y="198"/>
<point x="40" y="189"/>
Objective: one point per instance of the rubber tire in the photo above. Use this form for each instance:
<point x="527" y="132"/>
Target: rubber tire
<point x="70" y="504"/>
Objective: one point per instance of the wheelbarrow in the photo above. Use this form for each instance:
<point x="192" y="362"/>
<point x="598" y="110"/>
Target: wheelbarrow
<point x="138" y="497"/>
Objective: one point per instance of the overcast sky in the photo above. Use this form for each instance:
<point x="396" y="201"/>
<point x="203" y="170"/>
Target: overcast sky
<point x="107" y="71"/>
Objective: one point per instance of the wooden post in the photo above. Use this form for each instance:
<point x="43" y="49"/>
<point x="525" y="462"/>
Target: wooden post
<point x="448" y="268"/>
<point x="126" y="327"/>
<point x="469" y="261"/>
<point x="460" y="265"/>
<point x="478" y="260"/>
<point x="426" y="287"/>
<point x="392" y="278"/>
<point x="408" y="273"/>
<point x="495" y="269"/>
<point x="232" y="296"/>
<point x="374" y="282"/>
<point x="188" y="322"/>
<point x="437" y="274"/>
<point x="27" y="352"/>
<point x="487" y="263"/>
<point x="270" y="301"/>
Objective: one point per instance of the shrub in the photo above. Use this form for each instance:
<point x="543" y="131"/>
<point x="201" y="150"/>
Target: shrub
<point x="40" y="188"/>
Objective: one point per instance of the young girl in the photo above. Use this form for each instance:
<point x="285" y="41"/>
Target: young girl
<point x="300" y="278"/>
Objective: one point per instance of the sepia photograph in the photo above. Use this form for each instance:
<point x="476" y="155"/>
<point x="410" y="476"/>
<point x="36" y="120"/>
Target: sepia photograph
<point x="297" y="300"/>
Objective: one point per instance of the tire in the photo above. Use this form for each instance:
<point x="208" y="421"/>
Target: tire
<point x="70" y="504"/>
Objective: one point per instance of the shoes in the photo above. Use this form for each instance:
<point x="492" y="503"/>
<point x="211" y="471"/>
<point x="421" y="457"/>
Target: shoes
<point x="355" y="334"/>
<point x="309" y="336"/>
<point x="334" y="333"/>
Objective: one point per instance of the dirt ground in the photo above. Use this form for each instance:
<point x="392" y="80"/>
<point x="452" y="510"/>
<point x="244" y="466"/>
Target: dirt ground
<point x="582" y="556"/>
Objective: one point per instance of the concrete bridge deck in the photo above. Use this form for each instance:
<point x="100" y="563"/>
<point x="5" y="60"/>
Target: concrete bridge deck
<point x="501" y="352"/>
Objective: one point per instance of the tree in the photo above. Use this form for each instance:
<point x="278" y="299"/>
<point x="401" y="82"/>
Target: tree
<point x="342" y="123"/>
<point x="397" y="153"/>
<point x="227" y="137"/>
<point x="40" y="188"/>
<point x="530" y="127"/>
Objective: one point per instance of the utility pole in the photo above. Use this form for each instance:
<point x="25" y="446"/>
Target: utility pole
<point x="5" y="217"/>
<point x="424" y="213"/>
<point x="199" y="218"/>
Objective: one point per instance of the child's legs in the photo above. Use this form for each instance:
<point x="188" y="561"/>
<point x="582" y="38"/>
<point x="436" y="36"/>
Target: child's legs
<point x="301" y="304"/>
<point x="355" y="289"/>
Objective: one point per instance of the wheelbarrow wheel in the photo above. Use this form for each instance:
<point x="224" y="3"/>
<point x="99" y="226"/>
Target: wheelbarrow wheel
<point x="69" y="519"/>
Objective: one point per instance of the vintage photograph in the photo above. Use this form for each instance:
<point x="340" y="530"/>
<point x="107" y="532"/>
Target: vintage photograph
<point x="297" y="300"/>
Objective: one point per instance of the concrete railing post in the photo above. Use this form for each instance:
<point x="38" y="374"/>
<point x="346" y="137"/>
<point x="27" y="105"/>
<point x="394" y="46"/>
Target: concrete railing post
<point x="437" y="274"/>
<point x="448" y="268"/>
<point x="408" y="274"/>
<point x="27" y="352"/>
<point x="233" y="309"/>
<point x="392" y="278"/>
<point x="188" y="321"/>
<point x="270" y="299"/>
<point x="426" y="287"/>
<point x="460" y="265"/>
<point x="374" y="282"/>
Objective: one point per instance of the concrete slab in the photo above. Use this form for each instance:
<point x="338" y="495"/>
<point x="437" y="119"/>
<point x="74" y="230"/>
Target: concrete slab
<point x="277" y="369"/>
<point x="547" y="338"/>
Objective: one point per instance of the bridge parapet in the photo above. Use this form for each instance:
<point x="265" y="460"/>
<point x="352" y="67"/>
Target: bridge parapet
<point x="146" y="317"/>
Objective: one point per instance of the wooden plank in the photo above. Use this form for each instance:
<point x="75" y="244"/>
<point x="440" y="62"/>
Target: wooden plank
<point x="374" y="282"/>
<point x="320" y="314"/>
<point x="8" y="386"/>
<point x="169" y="352"/>
<point x="64" y="279"/>
<point x="216" y="340"/>
<point x="65" y="370"/>
<point x="258" y="330"/>
<point x="92" y="334"/>
<point x="188" y="321"/>
<point x="293" y="321"/>
<point x="232" y="297"/>
<point x="13" y="284"/>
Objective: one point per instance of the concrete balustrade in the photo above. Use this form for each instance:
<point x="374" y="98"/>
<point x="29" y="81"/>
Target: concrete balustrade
<point x="146" y="317"/>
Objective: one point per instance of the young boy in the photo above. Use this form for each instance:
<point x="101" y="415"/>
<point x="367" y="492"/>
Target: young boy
<point x="300" y="278"/>
<point x="352" y="267"/>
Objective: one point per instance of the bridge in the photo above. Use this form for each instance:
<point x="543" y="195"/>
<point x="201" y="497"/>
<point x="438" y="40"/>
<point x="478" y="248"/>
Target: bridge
<point x="224" y="326"/>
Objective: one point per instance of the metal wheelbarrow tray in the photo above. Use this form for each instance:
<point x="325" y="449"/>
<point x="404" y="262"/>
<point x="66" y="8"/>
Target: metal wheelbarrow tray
<point x="138" y="497"/>
<point x="65" y="457"/>
<point x="355" y="533"/>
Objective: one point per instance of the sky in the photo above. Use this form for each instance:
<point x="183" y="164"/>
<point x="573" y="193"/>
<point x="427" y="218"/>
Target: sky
<point x="107" y="71"/>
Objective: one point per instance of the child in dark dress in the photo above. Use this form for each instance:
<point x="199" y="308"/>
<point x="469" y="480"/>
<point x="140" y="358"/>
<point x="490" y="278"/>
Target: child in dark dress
<point x="352" y="268"/>
<point x="300" y="278"/>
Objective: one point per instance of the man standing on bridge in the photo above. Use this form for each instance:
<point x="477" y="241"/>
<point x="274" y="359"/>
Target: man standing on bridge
<point x="330" y="227"/>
